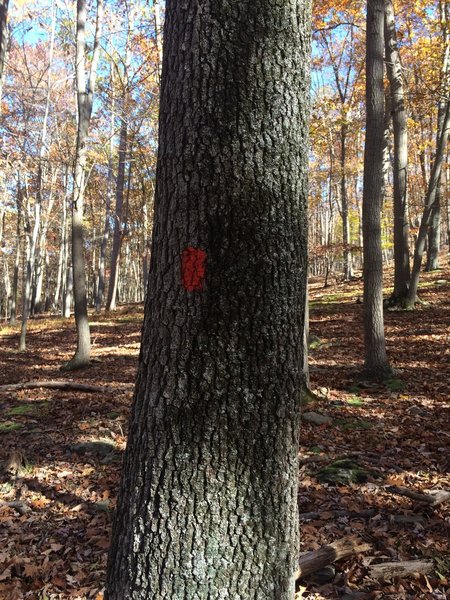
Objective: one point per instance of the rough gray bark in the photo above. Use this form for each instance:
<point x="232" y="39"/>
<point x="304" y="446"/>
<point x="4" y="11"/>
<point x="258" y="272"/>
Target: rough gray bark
<point x="85" y="96"/>
<point x="376" y="361"/>
<point x="207" y="505"/>
<point x="400" y="168"/>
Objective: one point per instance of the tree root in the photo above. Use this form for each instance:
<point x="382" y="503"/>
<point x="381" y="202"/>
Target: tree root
<point x="61" y="385"/>
<point x="314" y="561"/>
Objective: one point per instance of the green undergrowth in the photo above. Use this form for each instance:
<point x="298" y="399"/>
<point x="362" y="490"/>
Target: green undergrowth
<point x="28" y="408"/>
<point x="9" y="426"/>
<point x="355" y="401"/>
<point x="395" y="385"/>
<point x="343" y="471"/>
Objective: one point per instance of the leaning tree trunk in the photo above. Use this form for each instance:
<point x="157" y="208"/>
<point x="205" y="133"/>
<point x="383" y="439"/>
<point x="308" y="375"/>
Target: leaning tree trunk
<point x="428" y="210"/>
<point x="207" y="505"/>
<point x="400" y="169"/>
<point x="434" y="231"/>
<point x="376" y="362"/>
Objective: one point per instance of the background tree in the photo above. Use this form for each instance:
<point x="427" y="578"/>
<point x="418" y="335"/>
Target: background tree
<point x="85" y="98"/>
<point x="3" y="40"/>
<point x="375" y="362"/>
<point x="434" y="233"/>
<point x="400" y="159"/>
<point x="207" y="506"/>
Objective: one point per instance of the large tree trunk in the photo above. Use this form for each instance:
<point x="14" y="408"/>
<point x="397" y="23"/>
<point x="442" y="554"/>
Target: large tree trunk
<point x="376" y="362"/>
<point x="400" y="170"/>
<point x="207" y="506"/>
<point x="85" y="96"/>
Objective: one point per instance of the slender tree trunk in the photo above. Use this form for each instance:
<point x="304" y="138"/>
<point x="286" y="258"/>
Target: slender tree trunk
<point x="400" y="171"/>
<point x="376" y="362"/>
<point x="36" y="304"/>
<point x="85" y="95"/>
<point x="348" y="271"/>
<point x="107" y="226"/>
<point x="61" y="295"/>
<point x="428" y="210"/>
<point x="207" y="506"/>
<point x="434" y="232"/>
<point x="31" y="237"/>
<point x="118" y="220"/>
<point x="83" y="352"/>
<point x="3" y="41"/>
<point x="15" y="284"/>
<point x="158" y="34"/>
<point x="42" y="249"/>
<point x="447" y="203"/>
<point x="68" y="293"/>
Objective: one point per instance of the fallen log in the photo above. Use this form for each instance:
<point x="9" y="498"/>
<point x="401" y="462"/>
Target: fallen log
<point x="404" y="568"/>
<point x="62" y="385"/>
<point x="18" y="506"/>
<point x="431" y="497"/>
<point x="314" y="561"/>
<point x="365" y="514"/>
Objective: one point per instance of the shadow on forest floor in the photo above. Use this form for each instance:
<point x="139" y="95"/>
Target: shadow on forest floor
<point x="68" y="446"/>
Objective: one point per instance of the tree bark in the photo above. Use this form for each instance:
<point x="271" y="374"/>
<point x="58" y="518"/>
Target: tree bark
<point x="207" y="505"/>
<point x="400" y="168"/>
<point x="376" y="361"/>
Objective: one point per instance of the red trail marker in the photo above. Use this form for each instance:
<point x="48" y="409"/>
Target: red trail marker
<point x="193" y="268"/>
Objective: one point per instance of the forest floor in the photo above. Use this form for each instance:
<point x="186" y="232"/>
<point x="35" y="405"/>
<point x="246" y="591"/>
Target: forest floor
<point x="60" y="450"/>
